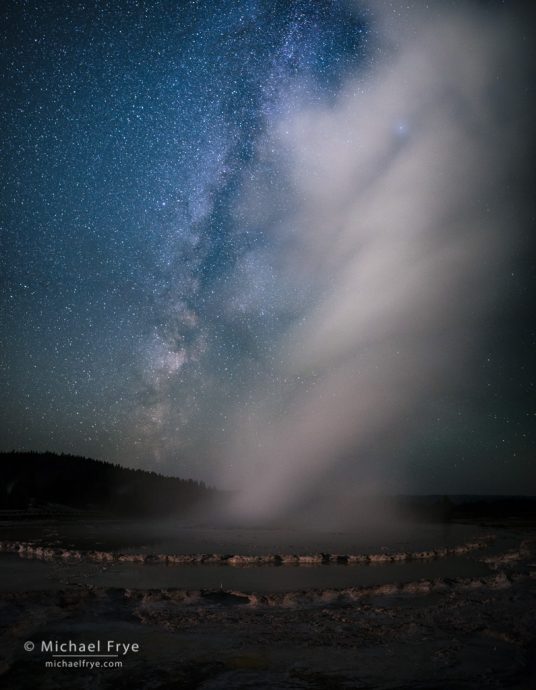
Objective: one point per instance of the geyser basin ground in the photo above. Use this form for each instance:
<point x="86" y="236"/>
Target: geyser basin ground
<point x="17" y="574"/>
<point x="109" y="553"/>
<point x="451" y="623"/>
<point x="172" y="536"/>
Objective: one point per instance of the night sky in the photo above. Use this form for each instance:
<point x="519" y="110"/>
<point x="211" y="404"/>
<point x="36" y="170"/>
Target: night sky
<point x="154" y="265"/>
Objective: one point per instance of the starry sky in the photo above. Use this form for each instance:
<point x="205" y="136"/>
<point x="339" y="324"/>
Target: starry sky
<point x="151" y="278"/>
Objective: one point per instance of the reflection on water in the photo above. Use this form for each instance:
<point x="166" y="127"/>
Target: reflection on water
<point x="23" y="574"/>
<point x="183" y="538"/>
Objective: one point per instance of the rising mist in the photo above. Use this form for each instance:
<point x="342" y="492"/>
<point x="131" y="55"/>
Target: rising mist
<point x="399" y="213"/>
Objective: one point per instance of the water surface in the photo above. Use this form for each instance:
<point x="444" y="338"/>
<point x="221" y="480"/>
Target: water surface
<point x="180" y="537"/>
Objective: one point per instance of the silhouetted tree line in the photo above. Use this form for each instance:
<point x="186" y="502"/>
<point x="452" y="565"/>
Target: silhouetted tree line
<point x="32" y="479"/>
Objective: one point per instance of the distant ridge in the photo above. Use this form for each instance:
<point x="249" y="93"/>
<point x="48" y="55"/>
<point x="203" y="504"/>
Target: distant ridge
<point x="32" y="480"/>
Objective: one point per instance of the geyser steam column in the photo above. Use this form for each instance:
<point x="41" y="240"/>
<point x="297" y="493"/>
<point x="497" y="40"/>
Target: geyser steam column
<point x="391" y="238"/>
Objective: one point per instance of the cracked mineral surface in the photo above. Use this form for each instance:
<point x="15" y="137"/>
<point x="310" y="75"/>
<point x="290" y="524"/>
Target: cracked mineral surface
<point x="439" y="632"/>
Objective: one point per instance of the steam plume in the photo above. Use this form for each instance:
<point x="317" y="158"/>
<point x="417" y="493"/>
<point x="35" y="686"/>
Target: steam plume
<point x="397" y="214"/>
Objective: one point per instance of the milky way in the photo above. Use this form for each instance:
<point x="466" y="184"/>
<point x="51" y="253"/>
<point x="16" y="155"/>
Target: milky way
<point x="150" y="214"/>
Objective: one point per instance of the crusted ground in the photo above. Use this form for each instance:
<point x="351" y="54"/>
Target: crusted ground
<point x="27" y="549"/>
<point x="442" y="634"/>
<point x="436" y="634"/>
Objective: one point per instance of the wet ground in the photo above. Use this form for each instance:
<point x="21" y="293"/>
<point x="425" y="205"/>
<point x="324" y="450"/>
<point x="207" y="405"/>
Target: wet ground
<point x="183" y="537"/>
<point x="21" y="574"/>
<point x="437" y="630"/>
<point x="162" y="555"/>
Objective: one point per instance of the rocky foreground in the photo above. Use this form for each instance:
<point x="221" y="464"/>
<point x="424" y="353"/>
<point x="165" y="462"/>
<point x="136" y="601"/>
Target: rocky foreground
<point x="27" y="549"/>
<point x="442" y="634"/>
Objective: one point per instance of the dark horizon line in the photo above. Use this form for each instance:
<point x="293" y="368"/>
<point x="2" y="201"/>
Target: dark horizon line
<point x="230" y="491"/>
